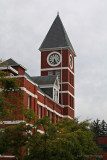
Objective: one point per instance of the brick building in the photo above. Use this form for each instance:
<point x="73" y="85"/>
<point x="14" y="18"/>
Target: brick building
<point x="52" y="93"/>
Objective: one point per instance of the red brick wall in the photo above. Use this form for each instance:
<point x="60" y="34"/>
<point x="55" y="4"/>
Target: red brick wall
<point x="67" y="87"/>
<point x="68" y="111"/>
<point x="65" y="59"/>
<point x="102" y="140"/>
<point x="44" y="73"/>
<point x="21" y="71"/>
<point x="44" y="63"/>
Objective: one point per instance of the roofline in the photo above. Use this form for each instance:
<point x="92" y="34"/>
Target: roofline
<point x="53" y="100"/>
<point x="57" y="48"/>
<point x="14" y="65"/>
<point x="19" y="65"/>
<point x="24" y="76"/>
<point x="9" y="68"/>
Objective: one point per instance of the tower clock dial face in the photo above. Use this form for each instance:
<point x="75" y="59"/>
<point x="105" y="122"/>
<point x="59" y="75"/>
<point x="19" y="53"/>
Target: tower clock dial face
<point x="54" y="58"/>
<point x="71" y="61"/>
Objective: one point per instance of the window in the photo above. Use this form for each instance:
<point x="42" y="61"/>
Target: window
<point x="70" y="101"/>
<point x="50" y="72"/>
<point x="40" y="111"/>
<point x="71" y="61"/>
<point x="57" y="118"/>
<point x="29" y="102"/>
<point x="71" y="79"/>
<point x="58" y="74"/>
<point x="56" y="95"/>
<point x="51" y="116"/>
<point x="48" y="113"/>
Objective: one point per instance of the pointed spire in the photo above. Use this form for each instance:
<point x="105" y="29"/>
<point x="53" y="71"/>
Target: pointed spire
<point x="58" y="13"/>
<point x="56" y="37"/>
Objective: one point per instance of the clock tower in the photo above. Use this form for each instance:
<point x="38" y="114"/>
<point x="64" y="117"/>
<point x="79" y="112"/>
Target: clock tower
<point x="57" y="58"/>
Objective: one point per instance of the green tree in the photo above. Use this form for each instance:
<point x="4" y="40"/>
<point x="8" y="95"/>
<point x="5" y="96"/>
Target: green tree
<point x="10" y="98"/>
<point x="13" y="138"/>
<point x="103" y="128"/>
<point x="39" y="139"/>
<point x="68" y="139"/>
<point x="99" y="127"/>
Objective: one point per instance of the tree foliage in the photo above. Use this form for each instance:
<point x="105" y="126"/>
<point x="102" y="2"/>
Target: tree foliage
<point x="39" y="139"/>
<point x="67" y="139"/>
<point x="99" y="127"/>
<point x="11" y="109"/>
<point x="10" y="98"/>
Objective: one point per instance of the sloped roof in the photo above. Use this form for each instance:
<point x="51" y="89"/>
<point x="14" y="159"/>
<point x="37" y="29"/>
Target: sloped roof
<point x="43" y="80"/>
<point x="48" y="91"/>
<point x="40" y="90"/>
<point x="57" y="37"/>
<point x="11" y="62"/>
<point x="29" y="77"/>
<point x="32" y="79"/>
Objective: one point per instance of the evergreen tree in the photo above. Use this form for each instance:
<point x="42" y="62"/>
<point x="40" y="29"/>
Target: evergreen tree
<point x="96" y="127"/>
<point x="99" y="127"/>
<point x="103" y="128"/>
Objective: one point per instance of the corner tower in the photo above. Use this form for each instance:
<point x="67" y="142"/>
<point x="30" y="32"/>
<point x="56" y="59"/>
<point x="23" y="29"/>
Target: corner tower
<point x="57" y="58"/>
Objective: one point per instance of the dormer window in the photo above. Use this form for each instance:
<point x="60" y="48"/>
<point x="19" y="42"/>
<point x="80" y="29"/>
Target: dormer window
<point x="56" y="95"/>
<point x="49" y="85"/>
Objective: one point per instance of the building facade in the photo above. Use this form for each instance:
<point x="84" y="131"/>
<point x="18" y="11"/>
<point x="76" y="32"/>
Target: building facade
<point x="57" y="58"/>
<point x="51" y="93"/>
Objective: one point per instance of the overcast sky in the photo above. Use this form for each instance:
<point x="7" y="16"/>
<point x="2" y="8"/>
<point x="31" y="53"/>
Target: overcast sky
<point x="24" y="24"/>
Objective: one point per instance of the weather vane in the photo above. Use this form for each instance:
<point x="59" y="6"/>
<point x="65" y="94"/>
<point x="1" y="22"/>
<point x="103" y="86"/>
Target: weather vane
<point x="57" y="13"/>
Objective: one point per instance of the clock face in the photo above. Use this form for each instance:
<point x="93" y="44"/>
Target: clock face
<point x="71" y="61"/>
<point x="54" y="58"/>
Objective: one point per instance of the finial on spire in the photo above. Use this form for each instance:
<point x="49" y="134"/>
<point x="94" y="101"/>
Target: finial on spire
<point x="57" y="13"/>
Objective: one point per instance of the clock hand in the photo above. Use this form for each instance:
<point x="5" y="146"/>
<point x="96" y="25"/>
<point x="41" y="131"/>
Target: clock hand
<point x="54" y="60"/>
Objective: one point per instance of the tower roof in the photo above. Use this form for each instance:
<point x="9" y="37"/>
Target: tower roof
<point x="56" y="37"/>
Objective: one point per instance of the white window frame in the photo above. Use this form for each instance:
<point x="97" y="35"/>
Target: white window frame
<point x="55" y="95"/>
<point x="29" y="102"/>
<point x="47" y="112"/>
<point x="40" y="111"/>
<point x="51" y="116"/>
